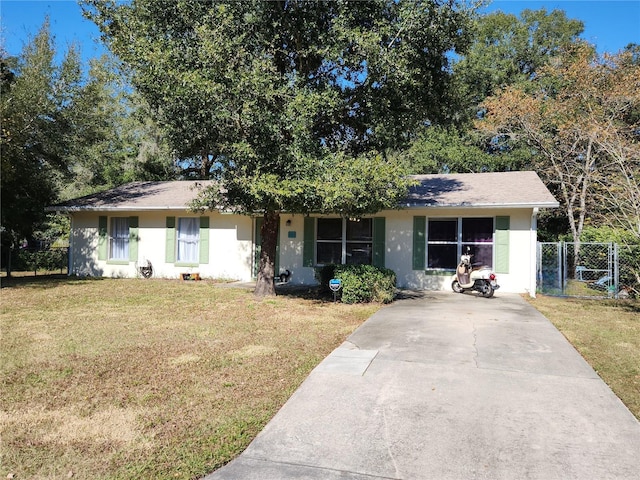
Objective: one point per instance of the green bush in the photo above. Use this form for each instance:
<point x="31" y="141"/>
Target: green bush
<point x="323" y="275"/>
<point x="360" y="283"/>
<point x="44" y="260"/>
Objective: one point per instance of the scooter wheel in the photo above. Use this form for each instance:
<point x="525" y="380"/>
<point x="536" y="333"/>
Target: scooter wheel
<point x="487" y="291"/>
<point x="455" y="286"/>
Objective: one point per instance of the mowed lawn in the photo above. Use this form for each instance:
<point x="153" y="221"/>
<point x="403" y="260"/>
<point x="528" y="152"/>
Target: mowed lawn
<point x="149" y="379"/>
<point x="158" y="379"/>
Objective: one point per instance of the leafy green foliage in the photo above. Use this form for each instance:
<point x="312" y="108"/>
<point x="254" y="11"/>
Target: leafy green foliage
<point x="360" y="283"/>
<point x="508" y="50"/>
<point x="291" y="105"/>
<point x="274" y="94"/>
<point x="449" y="150"/>
<point x="578" y="118"/>
<point x="366" y="283"/>
<point x="37" y="120"/>
<point x="505" y="50"/>
<point x="116" y="140"/>
<point x="65" y="134"/>
<point x="42" y="260"/>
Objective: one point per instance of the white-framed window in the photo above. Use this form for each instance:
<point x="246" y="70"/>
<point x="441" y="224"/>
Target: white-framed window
<point x="188" y="239"/>
<point x="344" y="241"/>
<point x="448" y="238"/>
<point x="119" y="239"/>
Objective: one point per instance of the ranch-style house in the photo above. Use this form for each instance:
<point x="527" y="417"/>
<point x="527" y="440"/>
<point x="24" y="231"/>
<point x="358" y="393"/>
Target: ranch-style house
<point x="116" y="232"/>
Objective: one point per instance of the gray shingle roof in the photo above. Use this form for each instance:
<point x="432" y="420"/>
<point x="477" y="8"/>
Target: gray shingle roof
<point x="499" y="189"/>
<point x="174" y="195"/>
<point x="495" y="189"/>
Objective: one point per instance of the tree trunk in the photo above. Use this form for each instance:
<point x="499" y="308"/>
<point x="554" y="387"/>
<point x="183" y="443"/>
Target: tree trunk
<point x="8" y="264"/>
<point x="265" y="285"/>
<point x="204" y="167"/>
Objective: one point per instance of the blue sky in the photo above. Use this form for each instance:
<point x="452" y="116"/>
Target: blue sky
<point x="609" y="24"/>
<point x="21" y="20"/>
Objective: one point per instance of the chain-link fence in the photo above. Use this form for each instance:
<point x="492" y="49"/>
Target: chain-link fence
<point x="608" y="270"/>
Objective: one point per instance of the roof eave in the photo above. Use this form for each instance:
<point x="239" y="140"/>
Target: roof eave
<point x="407" y="205"/>
<point x="119" y="209"/>
<point x="113" y="209"/>
<point x="452" y="206"/>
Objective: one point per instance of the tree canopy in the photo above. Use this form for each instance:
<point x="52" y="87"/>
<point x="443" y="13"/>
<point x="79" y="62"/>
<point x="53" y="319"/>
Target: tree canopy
<point x="67" y="132"/>
<point x="37" y="119"/>
<point x="580" y="116"/>
<point x="319" y="107"/>
<point x="115" y="139"/>
<point x="452" y="150"/>
<point x="291" y="105"/>
<point x="508" y="49"/>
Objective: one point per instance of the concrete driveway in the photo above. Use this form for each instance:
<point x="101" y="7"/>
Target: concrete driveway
<point x="448" y="386"/>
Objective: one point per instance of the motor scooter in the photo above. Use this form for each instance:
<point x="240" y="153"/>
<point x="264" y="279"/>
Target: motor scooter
<point x="476" y="278"/>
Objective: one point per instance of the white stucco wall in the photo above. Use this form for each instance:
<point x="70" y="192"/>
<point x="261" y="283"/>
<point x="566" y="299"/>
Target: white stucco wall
<point x="399" y="239"/>
<point x="399" y="247"/>
<point x="291" y="250"/>
<point x="230" y="246"/>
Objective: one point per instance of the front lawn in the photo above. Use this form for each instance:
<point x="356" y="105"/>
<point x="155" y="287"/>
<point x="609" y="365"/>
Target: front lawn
<point x="149" y="379"/>
<point x="158" y="379"/>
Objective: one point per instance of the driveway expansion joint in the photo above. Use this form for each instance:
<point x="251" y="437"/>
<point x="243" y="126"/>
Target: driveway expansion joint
<point x="345" y="360"/>
<point x="319" y="468"/>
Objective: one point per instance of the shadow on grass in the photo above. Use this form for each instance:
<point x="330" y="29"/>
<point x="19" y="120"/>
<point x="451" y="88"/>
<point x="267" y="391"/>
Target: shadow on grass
<point x="632" y="306"/>
<point x="306" y="292"/>
<point x="325" y="295"/>
<point x="42" y="281"/>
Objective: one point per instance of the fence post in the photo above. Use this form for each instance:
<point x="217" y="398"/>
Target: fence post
<point x="539" y="277"/>
<point x="616" y="272"/>
<point x="562" y="266"/>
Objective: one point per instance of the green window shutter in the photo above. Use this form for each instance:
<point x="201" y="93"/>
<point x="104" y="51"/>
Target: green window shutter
<point x="103" y="240"/>
<point x="308" y="246"/>
<point x="503" y="224"/>
<point x="204" y="239"/>
<point x="378" y="241"/>
<point x="170" y="245"/>
<point x="419" y="242"/>
<point x="133" y="239"/>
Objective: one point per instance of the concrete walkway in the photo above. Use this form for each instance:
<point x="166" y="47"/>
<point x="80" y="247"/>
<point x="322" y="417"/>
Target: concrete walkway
<point x="447" y="386"/>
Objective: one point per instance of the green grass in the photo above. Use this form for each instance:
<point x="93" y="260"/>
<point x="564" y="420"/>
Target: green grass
<point x="575" y="288"/>
<point x="153" y="379"/>
<point x="149" y="379"/>
<point x="607" y="335"/>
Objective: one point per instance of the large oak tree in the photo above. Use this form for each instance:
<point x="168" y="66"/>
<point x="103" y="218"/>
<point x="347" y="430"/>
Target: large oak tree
<point x="290" y="105"/>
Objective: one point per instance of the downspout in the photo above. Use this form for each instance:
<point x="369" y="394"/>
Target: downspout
<point x="533" y="268"/>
